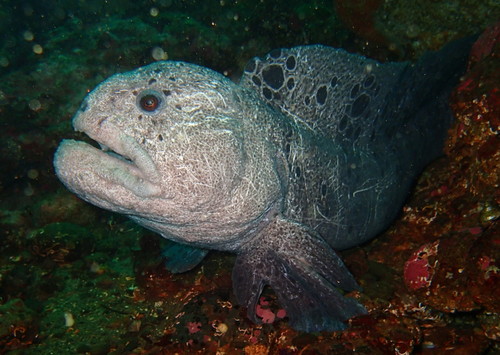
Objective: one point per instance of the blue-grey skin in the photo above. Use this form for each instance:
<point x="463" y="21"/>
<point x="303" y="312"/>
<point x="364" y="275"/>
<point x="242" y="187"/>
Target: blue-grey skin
<point x="315" y="149"/>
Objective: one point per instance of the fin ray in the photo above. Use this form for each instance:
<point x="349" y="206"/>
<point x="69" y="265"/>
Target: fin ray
<point x="304" y="272"/>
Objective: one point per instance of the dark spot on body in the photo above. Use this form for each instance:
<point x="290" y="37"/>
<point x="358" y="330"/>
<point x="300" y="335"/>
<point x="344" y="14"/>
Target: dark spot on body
<point x="333" y="82"/>
<point x="143" y="141"/>
<point x="251" y="65"/>
<point x="321" y="95"/>
<point x="291" y="63"/>
<point x="273" y="76"/>
<point x="343" y="123"/>
<point x="287" y="148"/>
<point x="167" y="92"/>
<point x="135" y="92"/>
<point x="275" y="53"/>
<point x="369" y="81"/>
<point x="160" y="137"/>
<point x="140" y="117"/>
<point x="307" y="100"/>
<point x="256" y="80"/>
<point x="151" y="81"/>
<point x="157" y="71"/>
<point x="359" y="105"/>
<point x="323" y="189"/>
<point x="268" y="94"/>
<point x="179" y="107"/>
<point x="298" y="172"/>
<point x="172" y="78"/>
<point x="290" y="84"/>
<point x="354" y="91"/>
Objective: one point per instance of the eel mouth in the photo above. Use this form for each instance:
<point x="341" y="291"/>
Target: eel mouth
<point x="120" y="161"/>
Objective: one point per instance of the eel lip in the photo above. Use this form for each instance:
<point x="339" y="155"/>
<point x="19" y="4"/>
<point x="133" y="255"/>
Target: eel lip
<point x="121" y="161"/>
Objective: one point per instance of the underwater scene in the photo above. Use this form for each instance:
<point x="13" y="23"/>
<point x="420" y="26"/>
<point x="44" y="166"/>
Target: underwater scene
<point x="250" y="267"/>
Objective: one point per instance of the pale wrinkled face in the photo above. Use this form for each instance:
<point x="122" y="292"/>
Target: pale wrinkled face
<point x="180" y="153"/>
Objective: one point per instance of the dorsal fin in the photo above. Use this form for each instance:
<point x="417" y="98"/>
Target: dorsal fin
<point x="360" y="102"/>
<point x="324" y="89"/>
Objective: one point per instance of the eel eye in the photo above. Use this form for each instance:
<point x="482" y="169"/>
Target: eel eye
<point x="149" y="102"/>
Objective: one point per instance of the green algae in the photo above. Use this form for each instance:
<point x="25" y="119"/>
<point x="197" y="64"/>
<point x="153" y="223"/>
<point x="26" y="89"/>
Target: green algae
<point x="61" y="258"/>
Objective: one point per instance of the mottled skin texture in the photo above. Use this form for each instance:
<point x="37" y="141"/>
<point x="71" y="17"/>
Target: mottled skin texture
<point x="315" y="149"/>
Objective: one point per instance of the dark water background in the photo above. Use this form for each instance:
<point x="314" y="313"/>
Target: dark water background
<point x="63" y="260"/>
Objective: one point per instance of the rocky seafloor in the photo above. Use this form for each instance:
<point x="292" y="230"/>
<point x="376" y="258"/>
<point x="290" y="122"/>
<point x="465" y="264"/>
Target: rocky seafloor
<point x="77" y="279"/>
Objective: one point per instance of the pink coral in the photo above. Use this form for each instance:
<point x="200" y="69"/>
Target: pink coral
<point x="281" y="313"/>
<point x="266" y="314"/>
<point x="193" y="327"/>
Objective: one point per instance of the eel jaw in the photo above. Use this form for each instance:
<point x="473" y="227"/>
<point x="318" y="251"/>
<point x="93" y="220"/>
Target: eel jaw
<point x="85" y="170"/>
<point x="122" y="161"/>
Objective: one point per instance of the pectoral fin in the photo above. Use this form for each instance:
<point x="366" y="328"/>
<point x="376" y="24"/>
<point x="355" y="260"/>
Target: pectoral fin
<point x="181" y="257"/>
<point x="305" y="273"/>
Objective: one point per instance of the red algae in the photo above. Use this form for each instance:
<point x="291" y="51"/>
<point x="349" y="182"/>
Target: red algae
<point x="428" y="283"/>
